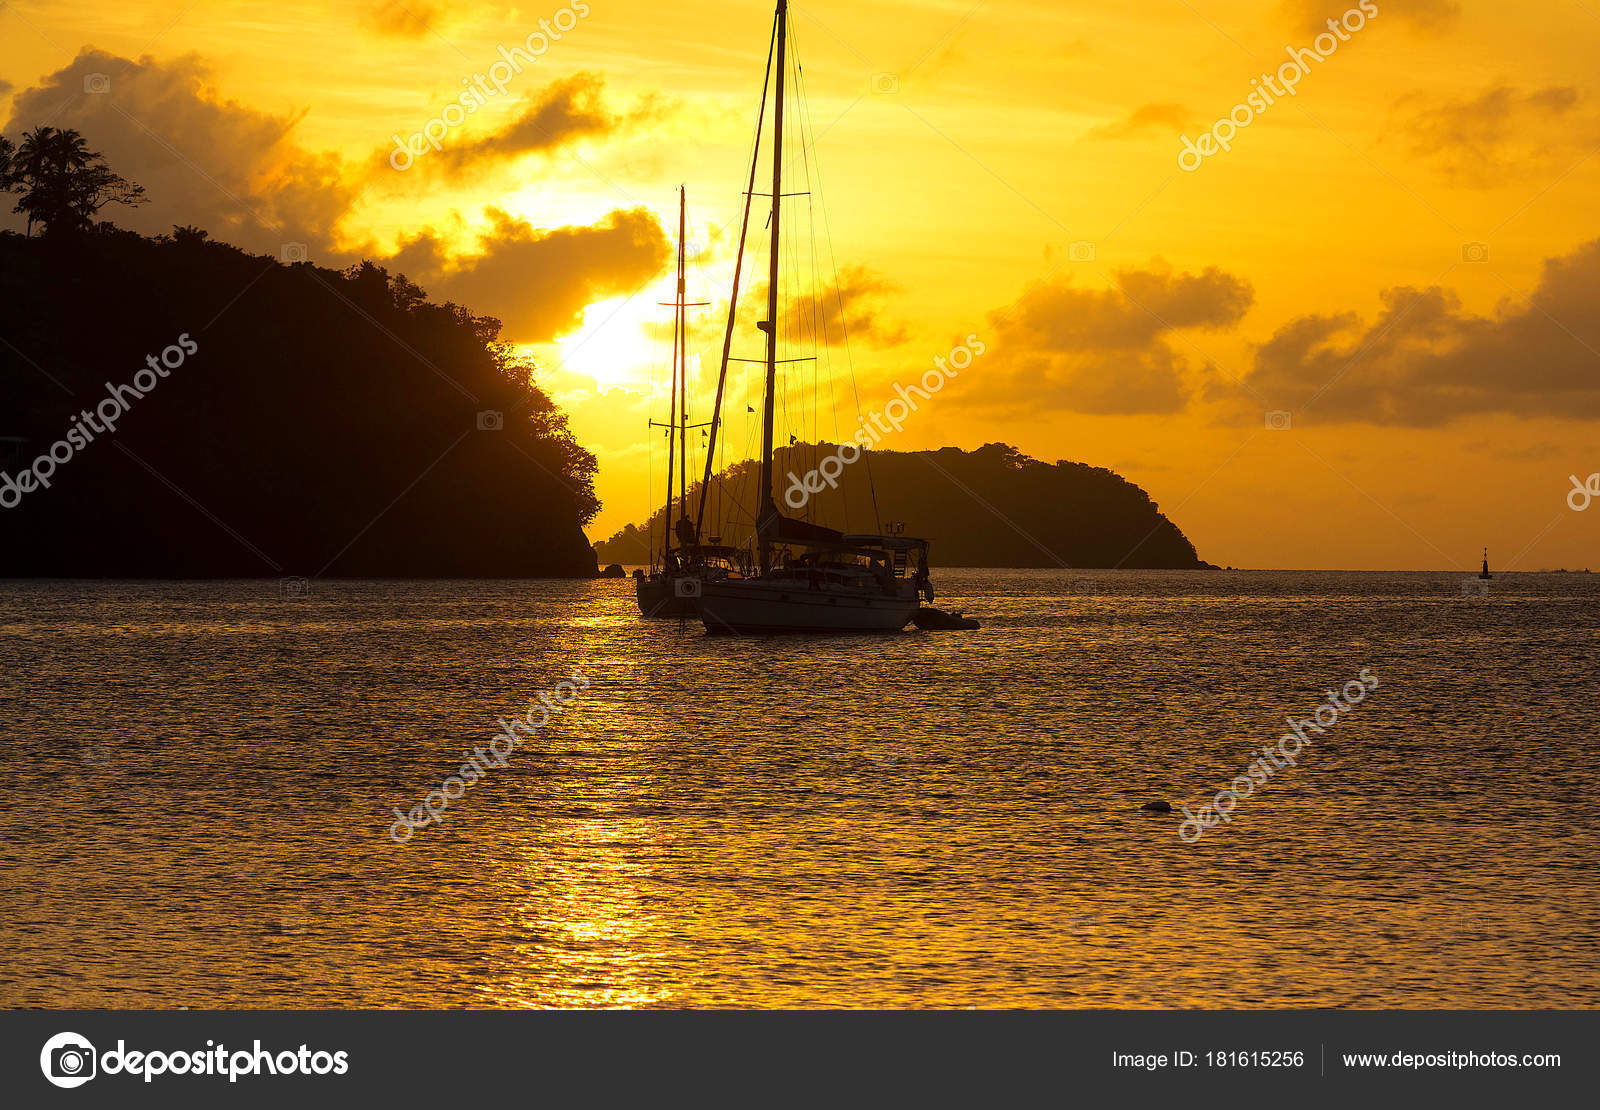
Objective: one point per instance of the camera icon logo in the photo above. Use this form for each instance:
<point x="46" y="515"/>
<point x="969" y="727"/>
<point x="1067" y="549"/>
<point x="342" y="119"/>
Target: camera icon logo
<point x="68" y="1060"/>
<point x="1080" y="251"/>
<point x="1475" y="252"/>
<point x="290" y="253"/>
<point x="295" y="588"/>
<point x="491" y="421"/>
<point x="1278" y="421"/>
<point x="96" y="83"/>
<point x="885" y="83"/>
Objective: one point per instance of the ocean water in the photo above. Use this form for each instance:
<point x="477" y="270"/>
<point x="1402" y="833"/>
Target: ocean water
<point x="198" y="784"/>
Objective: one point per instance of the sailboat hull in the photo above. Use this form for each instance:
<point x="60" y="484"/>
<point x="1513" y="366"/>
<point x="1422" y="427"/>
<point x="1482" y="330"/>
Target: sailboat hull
<point x="758" y="606"/>
<point x="657" y="600"/>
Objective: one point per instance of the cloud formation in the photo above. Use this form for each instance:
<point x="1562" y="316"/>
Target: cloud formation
<point x="538" y="281"/>
<point x="1425" y="361"/>
<point x="1497" y="135"/>
<point x="401" y="19"/>
<point x="1170" y="117"/>
<point x="1423" y="16"/>
<point x="203" y="159"/>
<point x="563" y="112"/>
<point x="237" y="172"/>
<point x="1109" y="350"/>
<point x="850" y="307"/>
<point x="558" y="116"/>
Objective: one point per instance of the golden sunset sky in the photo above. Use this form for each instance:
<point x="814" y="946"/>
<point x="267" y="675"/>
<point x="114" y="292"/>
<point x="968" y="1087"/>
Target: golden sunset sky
<point x="1329" y="264"/>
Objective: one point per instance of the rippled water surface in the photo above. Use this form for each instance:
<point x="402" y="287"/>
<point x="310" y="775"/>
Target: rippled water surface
<point x="199" y="781"/>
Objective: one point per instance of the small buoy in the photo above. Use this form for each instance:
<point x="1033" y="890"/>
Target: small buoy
<point x="1156" y="807"/>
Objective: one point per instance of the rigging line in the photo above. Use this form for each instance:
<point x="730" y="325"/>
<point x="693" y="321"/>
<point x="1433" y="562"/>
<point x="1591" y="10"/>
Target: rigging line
<point x="650" y="466"/>
<point x="805" y="324"/>
<point x="733" y="296"/>
<point x="820" y="319"/>
<point x="824" y="341"/>
<point x="802" y="321"/>
<point x="809" y="155"/>
<point x="786" y="324"/>
<point x="821" y="311"/>
<point x="795" y="321"/>
<point x="819" y="338"/>
<point x="811" y="321"/>
<point x="844" y="328"/>
<point x="794" y="390"/>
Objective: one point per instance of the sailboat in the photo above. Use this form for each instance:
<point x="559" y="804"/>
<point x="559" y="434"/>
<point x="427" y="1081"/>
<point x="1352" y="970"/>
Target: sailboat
<point x="805" y="578"/>
<point x="671" y="586"/>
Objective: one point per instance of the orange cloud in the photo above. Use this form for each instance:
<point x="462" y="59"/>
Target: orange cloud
<point x="562" y="113"/>
<point x="203" y="159"/>
<point x="1426" y="16"/>
<point x="1497" y="135"/>
<point x="537" y="281"/>
<point x="1425" y="361"/>
<point x="403" y="20"/>
<point x="1109" y="350"/>
<point x="1173" y="117"/>
<point x="851" y="307"/>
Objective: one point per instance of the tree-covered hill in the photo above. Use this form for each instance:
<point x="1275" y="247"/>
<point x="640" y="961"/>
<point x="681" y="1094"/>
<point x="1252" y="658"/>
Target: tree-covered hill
<point x="993" y="507"/>
<point x="323" y="422"/>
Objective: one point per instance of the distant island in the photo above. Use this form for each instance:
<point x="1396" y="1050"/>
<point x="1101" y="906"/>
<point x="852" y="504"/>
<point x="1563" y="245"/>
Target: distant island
<point x="993" y="507"/>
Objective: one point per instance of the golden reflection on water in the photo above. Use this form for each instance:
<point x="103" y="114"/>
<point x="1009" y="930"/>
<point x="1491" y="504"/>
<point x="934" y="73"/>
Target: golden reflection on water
<point x="923" y="821"/>
<point x="585" y="878"/>
<point x="590" y="905"/>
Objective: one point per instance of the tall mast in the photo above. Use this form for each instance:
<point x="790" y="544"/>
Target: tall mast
<point x="683" y="369"/>
<point x="733" y="299"/>
<point x="768" y="504"/>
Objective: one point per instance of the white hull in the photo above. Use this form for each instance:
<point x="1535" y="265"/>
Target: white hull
<point x="756" y="605"/>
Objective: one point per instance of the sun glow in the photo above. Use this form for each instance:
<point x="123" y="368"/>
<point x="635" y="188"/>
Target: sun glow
<point x="614" y="346"/>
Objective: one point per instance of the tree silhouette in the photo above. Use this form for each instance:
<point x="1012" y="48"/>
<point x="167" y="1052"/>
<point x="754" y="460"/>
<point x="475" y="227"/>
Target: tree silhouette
<point x="335" y="420"/>
<point x="63" y="184"/>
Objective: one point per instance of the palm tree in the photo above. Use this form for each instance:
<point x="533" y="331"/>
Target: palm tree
<point x="63" y="183"/>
